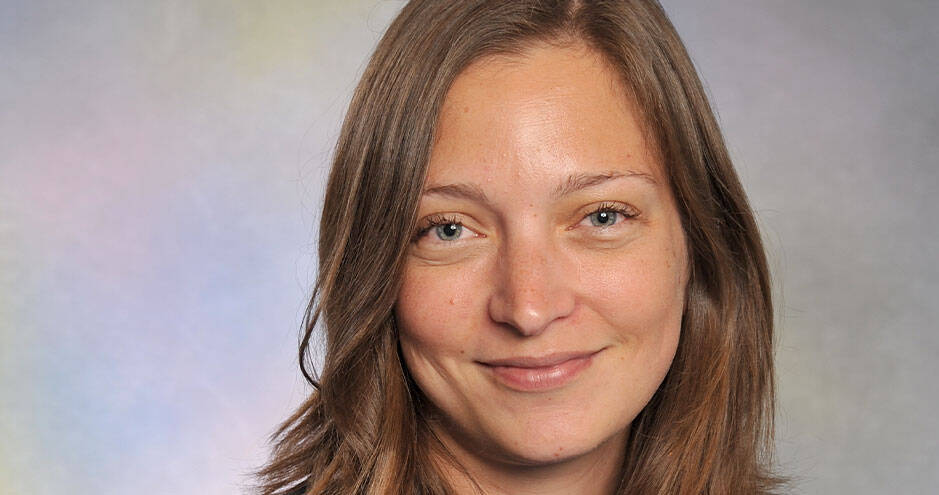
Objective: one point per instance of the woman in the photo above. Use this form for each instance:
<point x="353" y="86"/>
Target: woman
<point x="538" y="270"/>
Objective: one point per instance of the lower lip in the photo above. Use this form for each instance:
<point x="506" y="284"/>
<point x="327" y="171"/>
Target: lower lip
<point x="541" y="379"/>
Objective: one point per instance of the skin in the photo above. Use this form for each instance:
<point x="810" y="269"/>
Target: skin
<point x="533" y="151"/>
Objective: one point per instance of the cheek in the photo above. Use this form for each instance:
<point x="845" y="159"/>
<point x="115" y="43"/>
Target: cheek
<point x="641" y="291"/>
<point x="438" y="331"/>
<point x="434" y="310"/>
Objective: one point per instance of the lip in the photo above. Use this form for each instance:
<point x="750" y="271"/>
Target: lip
<point x="542" y="373"/>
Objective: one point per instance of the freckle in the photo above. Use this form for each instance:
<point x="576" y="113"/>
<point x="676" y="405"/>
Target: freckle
<point x="462" y="351"/>
<point x="465" y="109"/>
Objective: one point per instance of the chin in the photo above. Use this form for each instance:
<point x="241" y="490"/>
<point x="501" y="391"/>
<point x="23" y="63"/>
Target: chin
<point x="554" y="444"/>
<point x="551" y="454"/>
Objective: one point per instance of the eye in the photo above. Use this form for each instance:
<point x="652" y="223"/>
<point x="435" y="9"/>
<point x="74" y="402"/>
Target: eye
<point x="609" y="214"/>
<point x="448" y="231"/>
<point x="603" y="218"/>
<point x="443" y="229"/>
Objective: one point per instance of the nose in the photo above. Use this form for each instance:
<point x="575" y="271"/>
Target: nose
<point x="534" y="287"/>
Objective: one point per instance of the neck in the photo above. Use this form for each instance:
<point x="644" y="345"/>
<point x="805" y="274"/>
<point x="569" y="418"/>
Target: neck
<point x="595" y="472"/>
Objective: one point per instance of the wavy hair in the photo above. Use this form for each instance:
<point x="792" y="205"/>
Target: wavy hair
<point x="709" y="427"/>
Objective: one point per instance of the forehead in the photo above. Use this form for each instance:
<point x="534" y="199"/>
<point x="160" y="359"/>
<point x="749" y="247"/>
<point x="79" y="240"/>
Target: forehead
<point x="548" y="111"/>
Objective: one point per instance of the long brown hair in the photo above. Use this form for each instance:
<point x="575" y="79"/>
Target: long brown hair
<point x="708" y="428"/>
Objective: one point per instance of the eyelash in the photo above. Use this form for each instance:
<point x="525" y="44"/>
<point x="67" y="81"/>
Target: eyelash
<point x="435" y="221"/>
<point x="623" y="210"/>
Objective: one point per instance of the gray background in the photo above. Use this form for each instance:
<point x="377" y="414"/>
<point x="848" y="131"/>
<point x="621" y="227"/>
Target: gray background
<point x="831" y="111"/>
<point x="162" y="163"/>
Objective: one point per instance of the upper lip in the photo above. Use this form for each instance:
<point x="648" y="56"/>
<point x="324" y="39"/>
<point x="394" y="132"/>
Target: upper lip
<point x="539" y="361"/>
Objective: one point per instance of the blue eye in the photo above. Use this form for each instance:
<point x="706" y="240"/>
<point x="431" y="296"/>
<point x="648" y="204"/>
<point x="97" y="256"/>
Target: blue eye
<point x="603" y="218"/>
<point x="448" y="231"/>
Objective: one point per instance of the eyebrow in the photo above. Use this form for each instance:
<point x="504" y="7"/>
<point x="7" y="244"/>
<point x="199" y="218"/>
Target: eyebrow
<point x="578" y="182"/>
<point x="469" y="192"/>
<point x="573" y="183"/>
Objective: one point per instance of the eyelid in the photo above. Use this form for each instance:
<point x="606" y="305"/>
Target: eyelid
<point x="431" y="221"/>
<point x="626" y="210"/>
<point x="428" y="223"/>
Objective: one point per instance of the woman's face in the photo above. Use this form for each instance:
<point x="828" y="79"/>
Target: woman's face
<point x="542" y="297"/>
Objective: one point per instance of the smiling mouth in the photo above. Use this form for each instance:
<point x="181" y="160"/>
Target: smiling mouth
<point x="539" y="374"/>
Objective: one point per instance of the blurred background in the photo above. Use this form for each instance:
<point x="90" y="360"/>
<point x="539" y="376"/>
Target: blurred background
<point x="162" y="164"/>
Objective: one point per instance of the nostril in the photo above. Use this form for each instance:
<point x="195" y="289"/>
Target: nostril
<point x="530" y="311"/>
<point x="531" y="289"/>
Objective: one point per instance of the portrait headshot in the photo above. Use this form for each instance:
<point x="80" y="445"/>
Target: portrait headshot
<point x="469" y="247"/>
